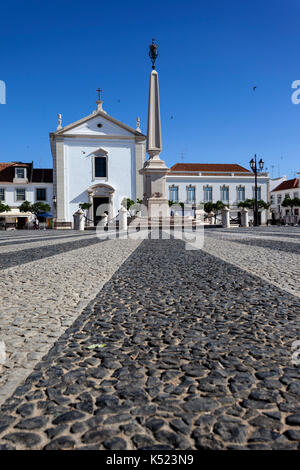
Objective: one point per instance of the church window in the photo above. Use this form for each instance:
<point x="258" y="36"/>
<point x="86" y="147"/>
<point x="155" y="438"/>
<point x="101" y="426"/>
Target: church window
<point x="100" y="167"/>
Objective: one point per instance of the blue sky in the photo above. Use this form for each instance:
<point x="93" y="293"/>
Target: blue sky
<point x="55" y="54"/>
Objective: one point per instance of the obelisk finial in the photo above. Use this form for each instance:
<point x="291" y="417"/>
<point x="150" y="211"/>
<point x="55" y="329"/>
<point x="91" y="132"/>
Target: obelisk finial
<point x="153" y="54"/>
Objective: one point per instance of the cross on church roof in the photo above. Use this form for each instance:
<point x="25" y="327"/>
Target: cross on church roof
<point x="99" y="91"/>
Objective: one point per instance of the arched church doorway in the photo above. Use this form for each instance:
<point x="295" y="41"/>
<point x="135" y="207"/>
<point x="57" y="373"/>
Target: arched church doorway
<point x="100" y="205"/>
<point x="101" y="200"/>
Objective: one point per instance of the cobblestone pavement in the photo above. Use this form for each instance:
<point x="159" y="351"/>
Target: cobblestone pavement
<point x="197" y="351"/>
<point x="41" y="298"/>
<point x="270" y="253"/>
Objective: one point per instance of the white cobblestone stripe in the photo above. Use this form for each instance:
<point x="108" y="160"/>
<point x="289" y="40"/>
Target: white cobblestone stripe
<point x="17" y="245"/>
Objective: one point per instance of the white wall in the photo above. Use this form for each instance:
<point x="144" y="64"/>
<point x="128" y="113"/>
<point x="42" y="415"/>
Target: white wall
<point x="216" y="183"/>
<point x="79" y="170"/>
<point x="30" y="193"/>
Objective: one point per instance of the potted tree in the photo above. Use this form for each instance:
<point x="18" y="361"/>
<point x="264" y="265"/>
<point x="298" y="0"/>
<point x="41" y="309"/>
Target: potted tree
<point x="3" y="208"/>
<point x="37" y="208"/>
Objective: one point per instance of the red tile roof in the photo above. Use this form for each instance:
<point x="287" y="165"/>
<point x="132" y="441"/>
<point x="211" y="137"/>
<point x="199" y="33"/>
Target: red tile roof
<point x="7" y="170"/>
<point x="288" y="184"/>
<point x="211" y="167"/>
<point x="38" y="175"/>
<point x="42" y="175"/>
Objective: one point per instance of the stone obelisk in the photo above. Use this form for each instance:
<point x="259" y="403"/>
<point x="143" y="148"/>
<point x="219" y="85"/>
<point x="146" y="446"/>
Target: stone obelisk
<point x="154" y="169"/>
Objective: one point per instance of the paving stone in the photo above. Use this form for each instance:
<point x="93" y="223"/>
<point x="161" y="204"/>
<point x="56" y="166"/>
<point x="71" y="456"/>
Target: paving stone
<point x="231" y="431"/>
<point x="61" y="443"/>
<point x="27" y="439"/>
<point x="293" y="419"/>
<point x="68" y="417"/>
<point x="200" y="404"/>
<point x="32" y="423"/>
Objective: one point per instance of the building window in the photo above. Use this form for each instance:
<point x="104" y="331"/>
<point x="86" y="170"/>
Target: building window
<point x="258" y="193"/>
<point x="173" y="193"/>
<point x="207" y="193"/>
<point x="279" y="199"/>
<point x="20" y="173"/>
<point x="2" y="194"/>
<point x="20" y="194"/>
<point x="191" y="194"/>
<point x="41" y="194"/>
<point x="296" y="211"/>
<point x="241" y="193"/>
<point x="100" y="167"/>
<point x="272" y="199"/>
<point x="225" y="194"/>
<point x="296" y="194"/>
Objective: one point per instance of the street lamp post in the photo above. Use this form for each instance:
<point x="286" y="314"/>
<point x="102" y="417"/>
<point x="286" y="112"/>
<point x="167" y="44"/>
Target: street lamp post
<point x="255" y="168"/>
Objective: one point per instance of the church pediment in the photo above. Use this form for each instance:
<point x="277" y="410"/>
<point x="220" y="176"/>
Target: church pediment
<point x="98" y="124"/>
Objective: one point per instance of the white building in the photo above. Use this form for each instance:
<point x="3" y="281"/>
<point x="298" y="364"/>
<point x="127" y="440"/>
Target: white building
<point x="285" y="188"/>
<point x="194" y="183"/>
<point x="21" y="182"/>
<point x="97" y="160"/>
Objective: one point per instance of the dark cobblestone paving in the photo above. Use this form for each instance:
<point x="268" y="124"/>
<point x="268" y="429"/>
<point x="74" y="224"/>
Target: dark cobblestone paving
<point x="197" y="356"/>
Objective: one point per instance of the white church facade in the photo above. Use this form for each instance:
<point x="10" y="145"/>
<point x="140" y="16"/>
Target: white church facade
<point x="96" y="160"/>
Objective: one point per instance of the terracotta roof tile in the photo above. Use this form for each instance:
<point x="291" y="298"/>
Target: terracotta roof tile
<point x="38" y="175"/>
<point x="211" y="167"/>
<point x="42" y="175"/>
<point x="288" y="184"/>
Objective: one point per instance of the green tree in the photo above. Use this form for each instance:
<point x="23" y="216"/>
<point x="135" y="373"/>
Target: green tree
<point x="289" y="202"/>
<point x="250" y="204"/>
<point x="215" y="207"/>
<point x="127" y="203"/>
<point x="296" y="202"/>
<point x="4" y="207"/>
<point x="36" y="208"/>
<point x="208" y="206"/>
<point x="85" y="205"/>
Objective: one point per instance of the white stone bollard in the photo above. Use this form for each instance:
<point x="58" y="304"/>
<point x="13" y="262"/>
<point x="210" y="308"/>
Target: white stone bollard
<point x="225" y="217"/>
<point x="79" y="221"/>
<point x="264" y="216"/>
<point x="245" y="217"/>
<point x="123" y="219"/>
